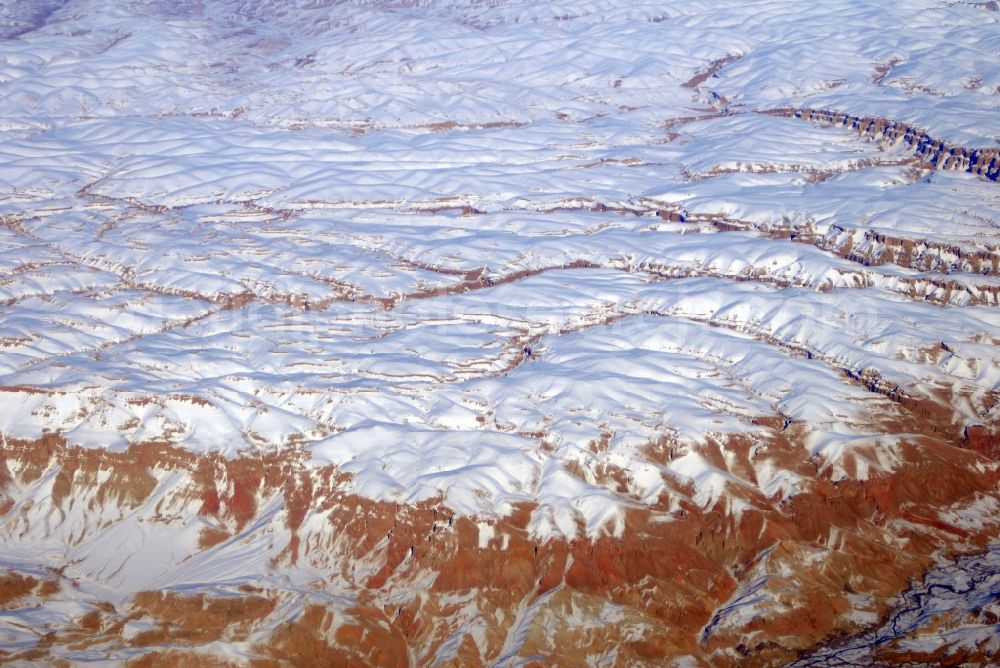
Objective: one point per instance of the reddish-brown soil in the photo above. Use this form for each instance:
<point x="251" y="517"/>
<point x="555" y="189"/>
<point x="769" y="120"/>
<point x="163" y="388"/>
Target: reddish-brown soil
<point x="421" y="583"/>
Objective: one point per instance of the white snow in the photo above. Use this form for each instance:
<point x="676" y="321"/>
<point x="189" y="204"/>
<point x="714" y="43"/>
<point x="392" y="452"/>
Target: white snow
<point x="240" y="225"/>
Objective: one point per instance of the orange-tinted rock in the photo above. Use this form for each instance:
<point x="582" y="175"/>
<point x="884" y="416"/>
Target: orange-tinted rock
<point x="13" y="586"/>
<point x="983" y="439"/>
<point x="421" y="581"/>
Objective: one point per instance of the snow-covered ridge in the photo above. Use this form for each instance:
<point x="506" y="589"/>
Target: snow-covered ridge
<point x="561" y="262"/>
<point x="430" y="269"/>
<point x="983" y="162"/>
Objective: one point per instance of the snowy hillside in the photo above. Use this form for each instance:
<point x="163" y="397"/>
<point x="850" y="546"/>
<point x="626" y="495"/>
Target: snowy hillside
<point x="462" y="332"/>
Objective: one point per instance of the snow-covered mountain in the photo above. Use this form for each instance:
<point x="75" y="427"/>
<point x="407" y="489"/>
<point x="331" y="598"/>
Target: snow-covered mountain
<point x="499" y="333"/>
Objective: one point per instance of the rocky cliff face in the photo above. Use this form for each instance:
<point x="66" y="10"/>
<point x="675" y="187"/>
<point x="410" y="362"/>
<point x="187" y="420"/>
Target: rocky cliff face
<point x="937" y="153"/>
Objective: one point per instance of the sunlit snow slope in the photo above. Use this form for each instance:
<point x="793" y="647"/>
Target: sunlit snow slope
<point x="498" y="333"/>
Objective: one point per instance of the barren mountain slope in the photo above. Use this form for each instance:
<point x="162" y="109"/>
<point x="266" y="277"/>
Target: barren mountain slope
<point x="499" y="333"/>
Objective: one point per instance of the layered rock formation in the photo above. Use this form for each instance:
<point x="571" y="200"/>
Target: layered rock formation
<point x="465" y="333"/>
<point x="394" y="584"/>
<point x="983" y="162"/>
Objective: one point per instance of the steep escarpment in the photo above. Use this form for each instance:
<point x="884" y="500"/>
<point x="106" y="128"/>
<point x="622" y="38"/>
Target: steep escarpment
<point x="937" y="153"/>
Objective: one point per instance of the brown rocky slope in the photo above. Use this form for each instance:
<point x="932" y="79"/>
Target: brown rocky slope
<point x="416" y="585"/>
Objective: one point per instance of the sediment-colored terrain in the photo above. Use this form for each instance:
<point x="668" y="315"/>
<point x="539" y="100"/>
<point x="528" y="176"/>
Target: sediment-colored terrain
<point x="499" y="333"/>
